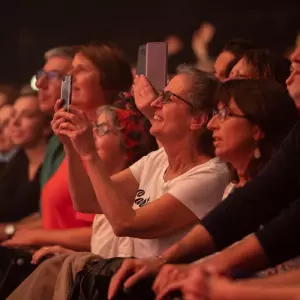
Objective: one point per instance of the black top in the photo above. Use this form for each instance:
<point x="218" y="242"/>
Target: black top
<point x="19" y="197"/>
<point x="272" y="199"/>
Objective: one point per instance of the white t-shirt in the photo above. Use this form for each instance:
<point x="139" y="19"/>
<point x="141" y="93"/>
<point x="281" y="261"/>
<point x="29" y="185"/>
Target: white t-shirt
<point x="200" y="189"/>
<point x="106" y="244"/>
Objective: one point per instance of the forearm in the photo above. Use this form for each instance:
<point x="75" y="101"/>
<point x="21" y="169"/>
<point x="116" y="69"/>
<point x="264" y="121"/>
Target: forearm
<point x="35" y="223"/>
<point x="245" y="256"/>
<point x="195" y="245"/>
<point x="81" y="189"/>
<point x="238" y="292"/>
<point x="113" y="204"/>
<point x="287" y="279"/>
<point x="75" y="239"/>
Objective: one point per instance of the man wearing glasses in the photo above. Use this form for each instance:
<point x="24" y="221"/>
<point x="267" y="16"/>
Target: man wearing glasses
<point x="58" y="62"/>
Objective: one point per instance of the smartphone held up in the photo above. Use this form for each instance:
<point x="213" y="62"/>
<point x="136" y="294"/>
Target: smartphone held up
<point x="152" y="62"/>
<point x="66" y="92"/>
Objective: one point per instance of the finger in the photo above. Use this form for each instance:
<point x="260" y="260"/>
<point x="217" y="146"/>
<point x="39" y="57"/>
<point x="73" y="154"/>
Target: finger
<point x="55" y="123"/>
<point x="58" y="105"/>
<point x="80" y="114"/>
<point x="66" y="132"/>
<point x="175" y="286"/>
<point x="135" y="278"/>
<point x="68" y="126"/>
<point x="39" y="254"/>
<point x="118" y="278"/>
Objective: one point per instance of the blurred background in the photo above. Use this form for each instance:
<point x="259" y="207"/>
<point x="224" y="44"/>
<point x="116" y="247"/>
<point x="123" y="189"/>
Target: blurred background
<point x="29" y="29"/>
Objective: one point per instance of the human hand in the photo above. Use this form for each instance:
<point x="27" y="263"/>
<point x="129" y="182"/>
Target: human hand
<point x="24" y="238"/>
<point x="199" y="283"/>
<point x="144" y="94"/>
<point x="132" y="271"/>
<point x="45" y="251"/>
<point x="74" y="127"/>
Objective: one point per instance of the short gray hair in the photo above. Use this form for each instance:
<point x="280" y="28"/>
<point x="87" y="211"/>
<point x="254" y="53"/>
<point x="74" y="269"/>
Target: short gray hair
<point x="204" y="87"/>
<point x="65" y="51"/>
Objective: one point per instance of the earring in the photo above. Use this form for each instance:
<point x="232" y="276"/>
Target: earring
<point x="257" y="154"/>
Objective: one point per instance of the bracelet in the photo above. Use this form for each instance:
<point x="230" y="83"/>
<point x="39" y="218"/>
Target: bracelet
<point x="163" y="260"/>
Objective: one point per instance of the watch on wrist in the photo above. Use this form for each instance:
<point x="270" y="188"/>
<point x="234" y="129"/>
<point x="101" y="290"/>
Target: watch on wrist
<point x="10" y="230"/>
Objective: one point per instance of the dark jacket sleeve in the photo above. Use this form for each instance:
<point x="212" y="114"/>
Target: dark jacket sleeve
<point x="260" y="200"/>
<point x="281" y="237"/>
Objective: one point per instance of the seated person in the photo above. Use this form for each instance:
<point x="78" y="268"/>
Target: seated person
<point x="95" y="83"/>
<point x="29" y="130"/>
<point x="7" y="148"/>
<point x="120" y="139"/>
<point x="229" y="56"/>
<point x="270" y="134"/>
<point x="262" y="64"/>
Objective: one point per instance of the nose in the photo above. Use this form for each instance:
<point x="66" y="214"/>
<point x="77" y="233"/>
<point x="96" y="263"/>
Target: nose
<point x="290" y="79"/>
<point x="213" y="123"/>
<point x="41" y="82"/>
<point x="157" y="103"/>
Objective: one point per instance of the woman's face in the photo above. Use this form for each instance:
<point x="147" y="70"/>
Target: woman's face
<point x="87" y="92"/>
<point x="243" y="69"/>
<point x="28" y="125"/>
<point x="108" y="141"/>
<point x="234" y="136"/>
<point x="172" y="120"/>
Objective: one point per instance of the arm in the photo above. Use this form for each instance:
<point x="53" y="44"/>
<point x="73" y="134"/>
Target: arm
<point x="81" y="189"/>
<point x="151" y="221"/>
<point x="76" y="238"/>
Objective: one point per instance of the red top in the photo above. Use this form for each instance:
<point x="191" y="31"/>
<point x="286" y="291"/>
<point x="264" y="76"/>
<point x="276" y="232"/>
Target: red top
<point x="56" y="203"/>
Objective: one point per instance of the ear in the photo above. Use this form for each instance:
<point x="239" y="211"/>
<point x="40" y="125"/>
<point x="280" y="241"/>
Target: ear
<point x="258" y="134"/>
<point x="199" y="121"/>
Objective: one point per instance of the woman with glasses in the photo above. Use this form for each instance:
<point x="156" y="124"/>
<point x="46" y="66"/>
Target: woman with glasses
<point x="251" y="119"/>
<point x="180" y="181"/>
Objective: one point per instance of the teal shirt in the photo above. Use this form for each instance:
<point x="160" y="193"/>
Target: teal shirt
<point x="54" y="156"/>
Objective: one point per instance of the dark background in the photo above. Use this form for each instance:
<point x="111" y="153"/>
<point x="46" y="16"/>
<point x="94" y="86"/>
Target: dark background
<point x="27" y="29"/>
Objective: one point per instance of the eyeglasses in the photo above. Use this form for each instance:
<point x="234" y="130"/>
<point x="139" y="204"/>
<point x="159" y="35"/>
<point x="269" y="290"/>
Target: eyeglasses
<point x="51" y="75"/>
<point x="224" y="113"/>
<point x="166" y="95"/>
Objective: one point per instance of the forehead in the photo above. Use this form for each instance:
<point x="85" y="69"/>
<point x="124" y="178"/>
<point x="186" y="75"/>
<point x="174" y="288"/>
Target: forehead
<point x="28" y="103"/>
<point x="180" y="84"/>
<point x="104" y="117"/>
<point x="57" y="63"/>
<point x="6" y="112"/>
<point x="223" y="60"/>
<point x="80" y="59"/>
<point x="231" y="105"/>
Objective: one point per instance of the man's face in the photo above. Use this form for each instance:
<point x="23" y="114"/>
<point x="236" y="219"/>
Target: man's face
<point x="49" y="82"/>
<point x="293" y="82"/>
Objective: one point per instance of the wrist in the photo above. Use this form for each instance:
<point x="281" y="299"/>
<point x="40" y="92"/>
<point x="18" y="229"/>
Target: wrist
<point x="161" y="258"/>
<point x="91" y="156"/>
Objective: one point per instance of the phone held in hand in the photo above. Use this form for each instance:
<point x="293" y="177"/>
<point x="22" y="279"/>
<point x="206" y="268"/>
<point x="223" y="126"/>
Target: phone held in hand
<point x="66" y="92"/>
<point x="152" y="62"/>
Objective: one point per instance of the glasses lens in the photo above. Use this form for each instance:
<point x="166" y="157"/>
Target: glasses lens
<point x="53" y="75"/>
<point x="102" y="129"/>
<point x="39" y="74"/>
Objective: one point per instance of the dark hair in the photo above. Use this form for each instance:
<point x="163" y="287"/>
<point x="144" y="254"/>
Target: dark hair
<point x="201" y="96"/>
<point x="114" y="69"/>
<point x="267" y="104"/>
<point x="237" y="47"/>
<point x="268" y="65"/>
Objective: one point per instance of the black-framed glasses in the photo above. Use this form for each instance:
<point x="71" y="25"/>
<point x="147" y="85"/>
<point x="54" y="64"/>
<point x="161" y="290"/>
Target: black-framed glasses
<point x="166" y="95"/>
<point x="51" y="75"/>
<point x="225" y="113"/>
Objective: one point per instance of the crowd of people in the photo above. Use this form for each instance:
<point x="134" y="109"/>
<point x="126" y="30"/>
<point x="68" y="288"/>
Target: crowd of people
<point x="191" y="192"/>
